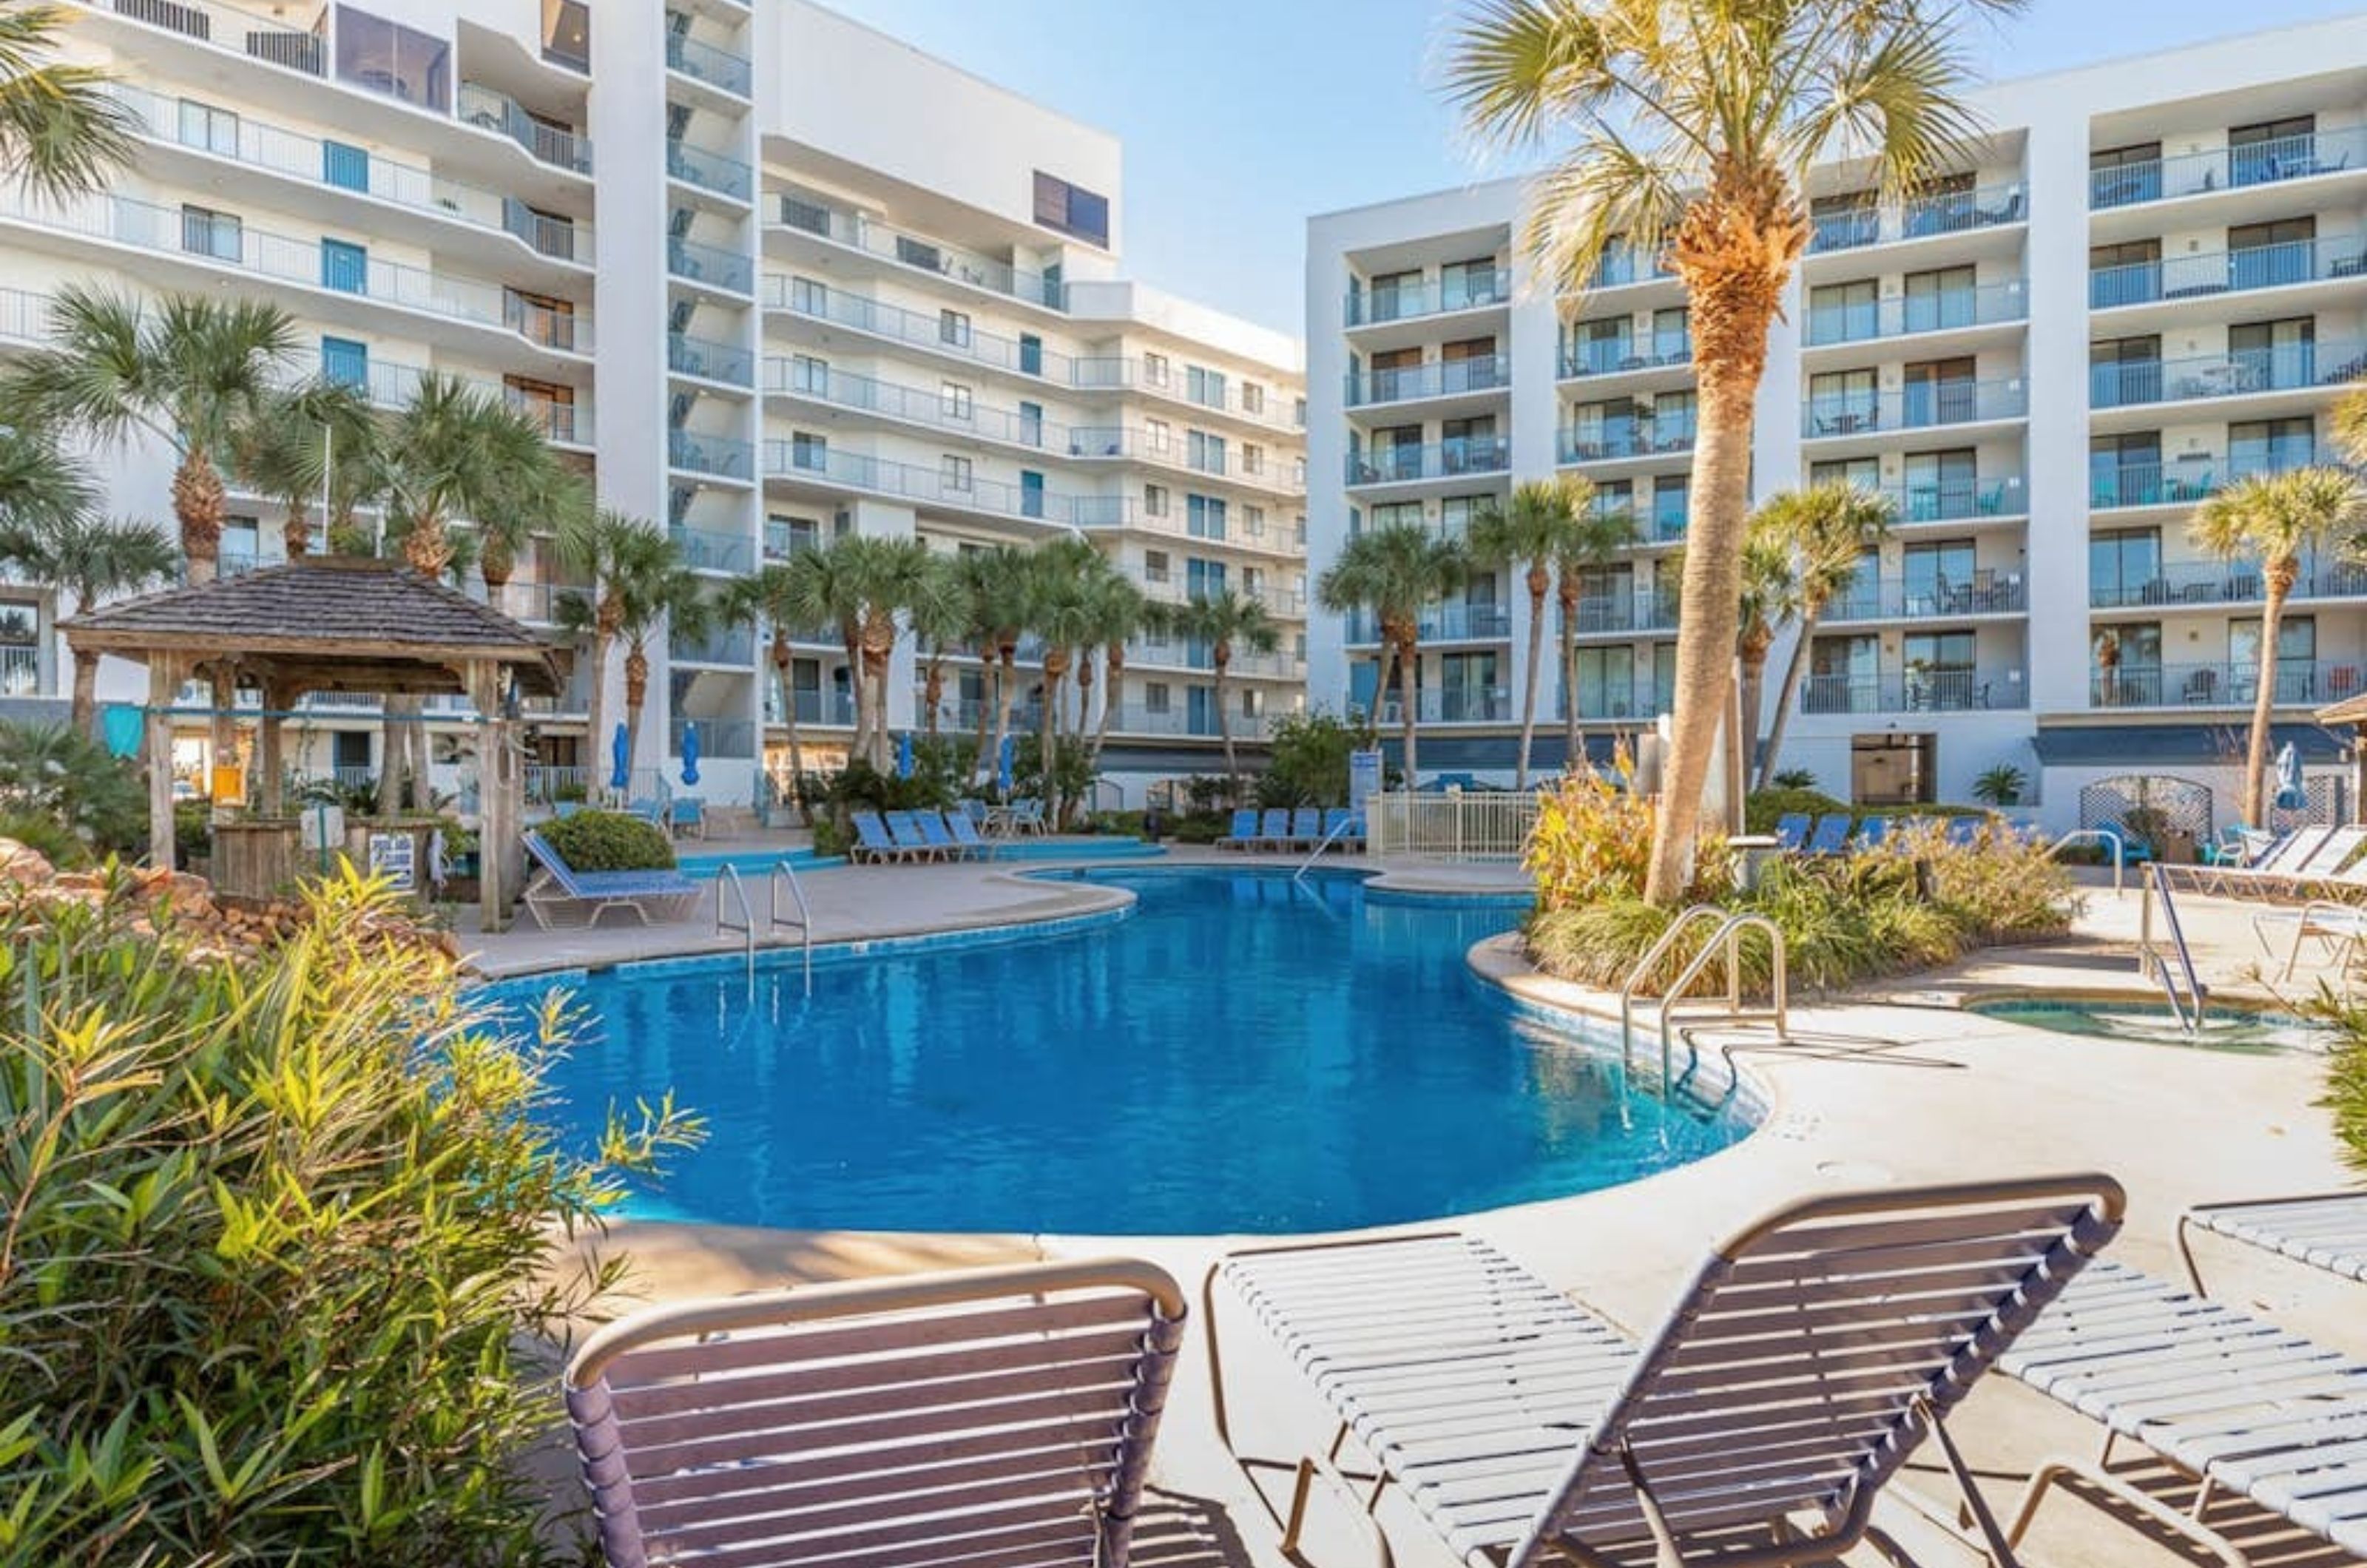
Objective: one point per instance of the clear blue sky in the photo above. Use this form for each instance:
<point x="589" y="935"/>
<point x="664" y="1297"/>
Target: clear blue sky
<point x="1240" y="117"/>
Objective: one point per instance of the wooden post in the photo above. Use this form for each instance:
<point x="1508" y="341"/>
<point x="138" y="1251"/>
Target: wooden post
<point x="268" y="792"/>
<point x="164" y="672"/>
<point x="499" y="806"/>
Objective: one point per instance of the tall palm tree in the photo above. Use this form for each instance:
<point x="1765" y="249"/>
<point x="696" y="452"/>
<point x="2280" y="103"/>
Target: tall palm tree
<point x="1395" y="572"/>
<point x="1597" y="535"/>
<point x="608" y="548"/>
<point x="2348" y="424"/>
<point x="38" y="484"/>
<point x="1535" y="529"/>
<point x="188" y="371"/>
<point x="1065" y="615"/>
<point x="2276" y="519"/>
<point x="788" y="598"/>
<point x="940" y="614"/>
<point x="1002" y="596"/>
<point x="302" y="444"/>
<point x="1228" y="623"/>
<point x="61" y="134"/>
<point x="882" y="575"/>
<point x="1826" y="529"/>
<point x="640" y="585"/>
<point x="1687" y="129"/>
<point x="92" y="558"/>
<point x="1121" y="612"/>
<point x="456" y="452"/>
<point x="1771" y="598"/>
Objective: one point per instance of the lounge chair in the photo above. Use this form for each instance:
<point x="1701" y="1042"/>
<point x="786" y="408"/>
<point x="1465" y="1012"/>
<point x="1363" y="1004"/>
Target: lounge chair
<point x="648" y="808"/>
<point x="904" y="831"/>
<point x="1809" y="1357"/>
<point x="2325" y="1230"/>
<point x="872" y="841"/>
<point x="688" y="817"/>
<point x="1273" y="832"/>
<point x="1872" y="833"/>
<point x="1831" y="835"/>
<point x="2311" y="865"/>
<point x="1244" y="833"/>
<point x="1964" y="831"/>
<point x="1028" y="817"/>
<point x="1306" y="828"/>
<point x="1791" y="831"/>
<point x="936" y="835"/>
<point x="2282" y="854"/>
<point x="966" y="835"/>
<point x="555" y="883"/>
<point x="2242" y="1406"/>
<point x="1342" y="831"/>
<point x="993" y="1415"/>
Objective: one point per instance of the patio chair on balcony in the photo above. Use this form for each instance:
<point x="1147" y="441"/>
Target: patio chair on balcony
<point x="2202" y="688"/>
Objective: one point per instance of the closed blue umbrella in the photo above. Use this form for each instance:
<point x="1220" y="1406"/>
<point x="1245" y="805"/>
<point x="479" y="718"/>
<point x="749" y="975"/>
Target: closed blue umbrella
<point x="904" y="755"/>
<point x="621" y="750"/>
<point x="1002" y="764"/>
<point x="690" y="753"/>
<point x="2290" y="795"/>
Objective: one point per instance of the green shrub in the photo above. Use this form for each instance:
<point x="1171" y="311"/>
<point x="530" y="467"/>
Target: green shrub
<point x="47" y="837"/>
<point x="280" y="1232"/>
<point x="1310" y="766"/>
<point x="56" y="770"/>
<point x="829" y="838"/>
<point x="609" y="840"/>
<point x="1795" y="778"/>
<point x="1761" y="811"/>
<point x="1593" y="841"/>
<point x="2000" y="785"/>
<point x="193" y="831"/>
<point x="859" y="787"/>
<point x="1200" y="827"/>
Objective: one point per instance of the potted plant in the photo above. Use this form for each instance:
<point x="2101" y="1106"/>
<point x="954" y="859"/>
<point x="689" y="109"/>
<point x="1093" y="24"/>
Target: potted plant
<point x="2000" y="785"/>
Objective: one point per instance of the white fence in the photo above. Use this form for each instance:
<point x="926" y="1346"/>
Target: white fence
<point x="1456" y="825"/>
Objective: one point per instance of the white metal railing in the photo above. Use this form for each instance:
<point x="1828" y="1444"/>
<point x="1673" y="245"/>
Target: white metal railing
<point x="1726" y="942"/>
<point x="2186" y="1006"/>
<point x="785" y="874"/>
<point x="1455" y="825"/>
<point x="2105" y="836"/>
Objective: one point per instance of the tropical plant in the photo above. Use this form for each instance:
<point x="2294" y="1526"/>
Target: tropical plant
<point x="188" y="371"/>
<point x="1795" y="778"/>
<point x="1535" y="529"/>
<point x="58" y="771"/>
<point x="1228" y="622"/>
<point x="1828" y="529"/>
<point x="1119" y="611"/>
<point x="38" y="484"/>
<point x="2276" y="519"/>
<point x="304" y="443"/>
<point x="1309" y="762"/>
<point x="2346" y="424"/>
<point x="638" y="582"/>
<point x="1001" y="584"/>
<point x="1770" y="597"/>
<point x="881" y="575"/>
<point x="1597" y="535"/>
<point x="62" y="134"/>
<point x="609" y="840"/>
<point x="780" y="600"/>
<point x="2000" y="785"/>
<point x="92" y="559"/>
<point x="1685" y="130"/>
<point x="457" y="451"/>
<point x="1066" y="615"/>
<point x="940" y="614"/>
<point x="1395" y="572"/>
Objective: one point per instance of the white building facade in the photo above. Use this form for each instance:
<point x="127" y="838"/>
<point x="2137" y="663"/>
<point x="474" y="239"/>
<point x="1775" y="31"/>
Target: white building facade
<point x="767" y="276"/>
<point x="2147" y="282"/>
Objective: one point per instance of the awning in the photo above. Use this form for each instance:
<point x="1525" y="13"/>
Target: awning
<point x="2140" y="746"/>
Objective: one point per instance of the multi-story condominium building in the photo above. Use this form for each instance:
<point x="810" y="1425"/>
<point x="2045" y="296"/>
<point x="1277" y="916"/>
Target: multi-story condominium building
<point x="838" y="286"/>
<point x="2149" y="280"/>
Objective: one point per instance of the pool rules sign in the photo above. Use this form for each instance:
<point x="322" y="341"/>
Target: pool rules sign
<point x="1363" y="777"/>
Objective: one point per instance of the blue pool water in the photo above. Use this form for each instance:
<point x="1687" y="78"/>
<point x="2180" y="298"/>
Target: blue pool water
<point x="760" y="862"/>
<point x="1238" y="1055"/>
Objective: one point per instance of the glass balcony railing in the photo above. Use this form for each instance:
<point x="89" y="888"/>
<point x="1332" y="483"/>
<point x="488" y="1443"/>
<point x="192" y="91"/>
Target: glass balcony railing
<point x="709" y="170"/>
<point x="307" y="263"/>
<point x="1919" y="218"/>
<point x="1615" y="699"/>
<point x="1399" y="302"/>
<point x="1986" y="592"/>
<point x="392" y="384"/>
<point x="959" y="489"/>
<point x="1623" y="264"/>
<point x="2227" y="272"/>
<point x="1952" y="500"/>
<point x="2230" y="168"/>
<point x="729" y="739"/>
<point x="1136" y="718"/>
<point x="705" y="549"/>
<point x="835" y="707"/>
<point x="1455" y="706"/>
<point x="2192" y="476"/>
<point x="1626" y="438"/>
<point x="811" y="214"/>
<point x="2281" y="369"/>
<point x="1596" y="357"/>
<point x="1917" y="406"/>
<point x="1442" y="459"/>
<point x="726" y="457"/>
<point x="487" y="110"/>
<point x="710" y="264"/>
<point x="933" y="332"/>
<point x="2221" y="582"/>
<point x="2300" y="682"/>
<point x="1642" y="611"/>
<point x="725" y="362"/>
<point x="1456" y="620"/>
<point x="1916" y="691"/>
<point x="719" y="68"/>
<point x="265" y="36"/>
<point x="1902" y="315"/>
<point x="1439" y="378"/>
<point x="733" y="647"/>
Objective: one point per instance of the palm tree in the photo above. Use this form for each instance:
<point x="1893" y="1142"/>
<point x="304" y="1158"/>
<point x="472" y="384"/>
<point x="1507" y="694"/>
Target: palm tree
<point x="1828" y="529"/>
<point x="881" y="577"/>
<point x="1686" y="131"/>
<point x="1121" y="612"/>
<point x="2276" y="519"/>
<point x="640" y="585"/>
<point x="38" y="484"/>
<point x="92" y="558"/>
<point x="1228" y="622"/>
<point x="304" y="443"/>
<point x="1395" y="572"/>
<point x="1003" y="590"/>
<point x="61" y="134"/>
<point x="608" y="548"/>
<point x="940" y="614"/>
<point x="1535" y="529"/>
<point x="1065" y="614"/>
<point x="1770" y="597"/>
<point x="2348" y="423"/>
<point x="188" y="372"/>
<point x="456" y="452"/>
<point x="1597" y="535"/>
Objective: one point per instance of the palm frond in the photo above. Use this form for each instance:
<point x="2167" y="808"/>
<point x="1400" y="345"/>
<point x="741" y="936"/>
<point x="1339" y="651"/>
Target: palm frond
<point x="61" y="133"/>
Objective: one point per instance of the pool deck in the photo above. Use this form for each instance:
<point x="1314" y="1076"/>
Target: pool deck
<point x="1893" y="1087"/>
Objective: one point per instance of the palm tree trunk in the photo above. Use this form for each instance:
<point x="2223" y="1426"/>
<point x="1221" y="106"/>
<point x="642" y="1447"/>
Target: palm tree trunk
<point x="1225" y="729"/>
<point x="1406" y="654"/>
<point x="198" y="504"/>
<point x="1045" y="753"/>
<point x="1573" y="741"/>
<point x="637" y="691"/>
<point x="85" y="690"/>
<point x="1796" y="669"/>
<point x="2280" y="576"/>
<point x="933" y="692"/>
<point x="596" y="712"/>
<point x="1005" y="691"/>
<point x="1754" y="679"/>
<point x="985" y="733"/>
<point x="783" y="668"/>
<point x="1113" y="677"/>
<point x="1538" y="586"/>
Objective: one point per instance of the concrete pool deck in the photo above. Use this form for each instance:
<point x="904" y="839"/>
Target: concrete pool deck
<point x="1898" y="1087"/>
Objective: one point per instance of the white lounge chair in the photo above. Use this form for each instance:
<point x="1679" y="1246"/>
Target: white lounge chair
<point x="2325" y="1230"/>
<point x="1811" y="1356"/>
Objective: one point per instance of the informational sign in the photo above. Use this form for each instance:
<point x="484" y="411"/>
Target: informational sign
<point x="1363" y="777"/>
<point x="391" y="856"/>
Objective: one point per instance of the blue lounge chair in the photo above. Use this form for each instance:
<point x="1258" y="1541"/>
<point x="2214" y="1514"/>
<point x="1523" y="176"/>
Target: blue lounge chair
<point x="936" y="835"/>
<point x="648" y="809"/>
<point x="1245" y="830"/>
<point x="871" y="839"/>
<point x="1966" y="830"/>
<point x="1791" y="831"/>
<point x="1306" y="828"/>
<point x="904" y="828"/>
<point x="555" y="883"/>
<point x="1276" y="832"/>
<point x="1831" y="836"/>
<point x="1342" y="830"/>
<point x="689" y="817"/>
<point x="966" y="835"/>
<point x="1028" y="817"/>
<point x="1871" y="833"/>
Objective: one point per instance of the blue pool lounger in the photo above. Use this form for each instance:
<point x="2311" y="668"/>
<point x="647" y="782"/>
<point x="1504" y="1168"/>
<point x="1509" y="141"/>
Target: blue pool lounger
<point x="872" y="841"/>
<point x="1871" y="832"/>
<point x="938" y="836"/>
<point x="1274" y="832"/>
<point x="1245" y="830"/>
<point x="555" y="883"/>
<point x="1306" y="828"/>
<point x="1831" y="836"/>
<point x="966" y="836"/>
<point x="905" y="830"/>
<point x="1792" y="831"/>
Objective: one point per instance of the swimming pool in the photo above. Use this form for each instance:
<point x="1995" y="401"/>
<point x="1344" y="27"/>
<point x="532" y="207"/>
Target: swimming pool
<point x="760" y="862"/>
<point x="1239" y="1053"/>
<point x="2225" y="1028"/>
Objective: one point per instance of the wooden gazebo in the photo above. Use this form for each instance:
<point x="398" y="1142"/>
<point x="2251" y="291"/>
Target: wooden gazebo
<point x="2350" y="713"/>
<point x="333" y="623"/>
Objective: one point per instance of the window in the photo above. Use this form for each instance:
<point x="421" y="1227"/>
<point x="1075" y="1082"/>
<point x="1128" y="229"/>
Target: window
<point x="567" y="33"/>
<point x="346" y="167"/>
<point x="345" y="361"/>
<point x="539" y="318"/>
<point x="2264" y="255"/>
<point x="953" y="327"/>
<point x="1940" y="392"/>
<point x="2125" y="471"/>
<point x="1155" y="697"/>
<point x="2126" y="663"/>
<point x="954" y="472"/>
<point x="1031" y="423"/>
<point x="1842" y="401"/>
<point x="1455" y="514"/>
<point x="1204" y="517"/>
<point x="207" y="232"/>
<point x="1205" y="387"/>
<point x="1401" y="514"/>
<point x="1071" y="210"/>
<point x="2124" y="567"/>
<point x="1465" y="284"/>
<point x="209" y="128"/>
<point x="1841" y="221"/>
<point x="1158" y="437"/>
<point x="2271" y="355"/>
<point x="1031" y="354"/>
<point x="1894" y="769"/>
<point x="2124" y="370"/>
<point x="2272" y="150"/>
<point x="1154" y="566"/>
<point x="2118" y="176"/>
<point x="784" y="535"/>
<point x="344" y="267"/>
<point x="808" y="451"/>
<point x="1298" y="413"/>
<point x="1937" y="485"/>
<point x="1940" y="299"/>
<point x="809" y="297"/>
<point x="810" y="375"/>
<point x="2297" y="659"/>
<point x="2124" y="275"/>
<point x="1205" y="452"/>
<point x="1253" y="521"/>
<point x="1154" y="501"/>
<point x="952" y="399"/>
<point x="2270" y="445"/>
<point x="1204" y="578"/>
<point x="1253" y="397"/>
<point x="1155" y="371"/>
<point x="1252" y="457"/>
<point x="1031" y="494"/>
<point x="399" y="62"/>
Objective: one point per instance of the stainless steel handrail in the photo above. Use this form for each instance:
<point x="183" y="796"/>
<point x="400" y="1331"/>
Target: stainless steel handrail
<point x="2158" y="884"/>
<point x="784" y="871"/>
<point x="729" y="878"/>
<point x="2102" y="835"/>
<point x="1727" y="940"/>
<point x="1329" y="839"/>
<point x="1643" y="970"/>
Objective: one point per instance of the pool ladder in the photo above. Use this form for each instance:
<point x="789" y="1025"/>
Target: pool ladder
<point x="727" y="881"/>
<point x="1726" y="942"/>
<point x="2175" y="966"/>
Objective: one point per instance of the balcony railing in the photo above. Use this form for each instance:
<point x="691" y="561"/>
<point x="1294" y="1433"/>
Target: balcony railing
<point x="1645" y="610"/>
<point x="2228" y="168"/>
<point x="2281" y="369"/>
<point x="2193" y="477"/>
<point x="1442" y="459"/>
<point x="487" y="110"/>
<point x="1452" y="706"/>
<point x="729" y="739"/>
<point x="1157" y="378"/>
<point x="1918" y="406"/>
<point x="1399" y="302"/>
<point x="264" y="36"/>
<point x="814" y="215"/>
<point x="1592" y="358"/>
<point x="20" y="672"/>
<point x="1623" y="264"/>
<point x="1136" y="718"/>
<point x="1897" y="599"/>
<point x="2228" y="272"/>
<point x="1902" y="314"/>
<point x="1455" y="620"/>
<point x="704" y="358"/>
<point x="710" y="264"/>
<point x="1948" y="501"/>
<point x="726" y="456"/>
<point x="856" y="470"/>
<point x="308" y="263"/>
<point x="930" y="331"/>
<point x="2221" y="582"/>
<point x="706" y="550"/>
<point x="709" y="170"/>
<point x="835" y="707"/>
<point x="1918" y="218"/>
<point x="718" y="68"/>
<point x="1912" y="691"/>
<point x="1439" y="378"/>
<point x="737" y="647"/>
<point x="1626" y="438"/>
<point x="390" y="384"/>
<point x="1615" y="700"/>
<point x="2299" y="682"/>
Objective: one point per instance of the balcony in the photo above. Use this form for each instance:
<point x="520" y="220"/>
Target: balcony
<point x="2285" y="369"/>
<point x="309" y="263"/>
<point x="1269" y="407"/>
<point x="263" y="36"/>
<point x="1921" y="406"/>
<point x="1904" y="315"/>
<point x="487" y="110"/>
<point x="1620" y="356"/>
<point x="1453" y="707"/>
<point x="724" y="456"/>
<point x="710" y="171"/>
<point x="1442" y="459"/>
<point x="929" y="332"/>
<point x="2300" y="682"/>
<point x="1626" y="438"/>
<point x="726" y="739"/>
<point x="934" y="487"/>
<point x="728" y="363"/>
<point x="1919" y="218"/>
<point x="2190" y="478"/>
<point x="1950" y="501"/>
<point x="2221" y="582"/>
<point x="20" y="673"/>
<point x="710" y="264"/>
<point x="1624" y="264"/>
<point x="390" y="384"/>
<point x="1641" y="611"/>
<point x="718" y="68"/>
<point x="835" y="707"/>
<point x="703" y="549"/>
<point x="2227" y="272"/>
<point x="1370" y="307"/>
<point x="537" y="603"/>
<point x="1137" y="718"/>
<point x="1456" y="620"/>
<point x="1599" y="700"/>
<point x="735" y="647"/>
<point x="1919" y="599"/>
<point x="1440" y="378"/>
<point x="811" y="214"/>
<point x="1915" y="691"/>
<point x="2229" y="168"/>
